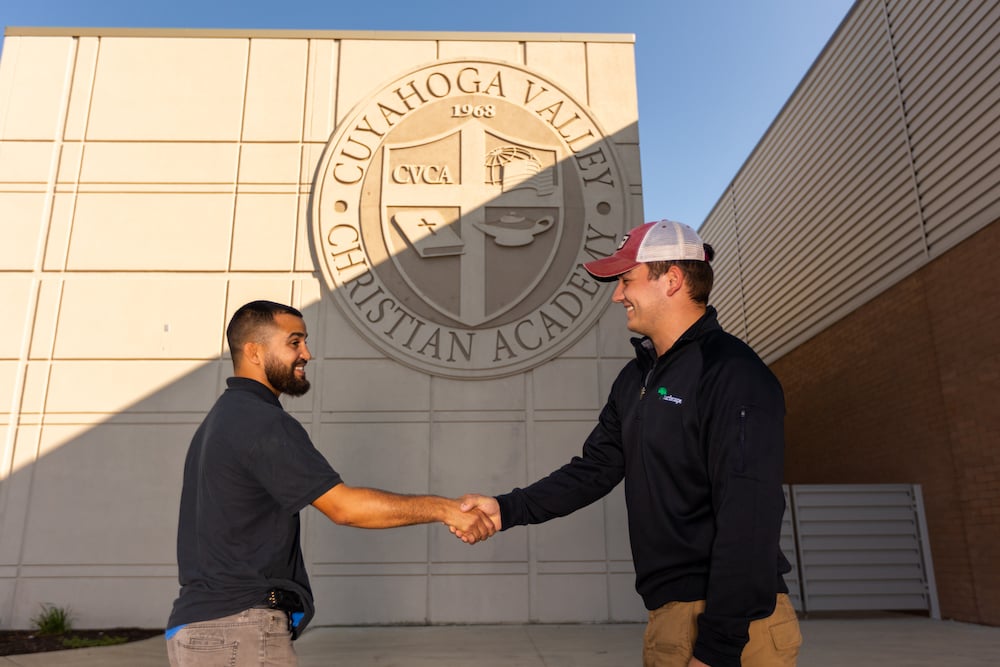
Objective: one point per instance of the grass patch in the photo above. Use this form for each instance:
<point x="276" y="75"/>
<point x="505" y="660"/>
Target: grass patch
<point x="53" y="620"/>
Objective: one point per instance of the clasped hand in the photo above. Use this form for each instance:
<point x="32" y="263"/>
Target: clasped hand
<point x="480" y="518"/>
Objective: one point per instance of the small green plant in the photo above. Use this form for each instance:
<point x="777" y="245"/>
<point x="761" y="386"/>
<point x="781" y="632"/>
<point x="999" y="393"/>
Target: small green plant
<point x="53" y="620"/>
<point x="87" y="642"/>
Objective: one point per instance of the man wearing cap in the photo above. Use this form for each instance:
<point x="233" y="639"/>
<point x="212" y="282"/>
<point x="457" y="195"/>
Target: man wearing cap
<point x="695" y="426"/>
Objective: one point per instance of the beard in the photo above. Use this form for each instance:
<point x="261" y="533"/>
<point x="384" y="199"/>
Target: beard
<point x="283" y="378"/>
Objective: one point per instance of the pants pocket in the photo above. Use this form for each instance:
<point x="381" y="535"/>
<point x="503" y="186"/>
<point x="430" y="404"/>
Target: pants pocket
<point x="278" y="648"/>
<point x="203" y="650"/>
<point x="670" y="633"/>
<point x="775" y="640"/>
<point x="786" y="635"/>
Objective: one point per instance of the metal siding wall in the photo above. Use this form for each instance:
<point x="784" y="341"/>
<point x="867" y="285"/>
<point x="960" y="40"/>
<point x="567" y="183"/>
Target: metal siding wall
<point x="950" y="77"/>
<point x="726" y="267"/>
<point x="899" y="109"/>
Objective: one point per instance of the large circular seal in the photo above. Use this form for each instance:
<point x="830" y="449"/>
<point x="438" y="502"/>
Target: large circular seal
<point x="452" y="212"/>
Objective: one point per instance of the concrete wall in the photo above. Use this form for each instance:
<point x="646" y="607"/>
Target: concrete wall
<point x="151" y="182"/>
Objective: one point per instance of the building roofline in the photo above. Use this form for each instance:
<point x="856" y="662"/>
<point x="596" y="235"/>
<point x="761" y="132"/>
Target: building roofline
<point x="244" y="33"/>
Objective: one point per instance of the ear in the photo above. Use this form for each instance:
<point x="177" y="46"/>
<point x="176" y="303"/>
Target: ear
<point x="253" y="354"/>
<point x="675" y="280"/>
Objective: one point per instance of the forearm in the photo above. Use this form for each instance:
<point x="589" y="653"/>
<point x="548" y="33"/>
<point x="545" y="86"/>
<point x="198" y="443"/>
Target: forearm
<point x="575" y="485"/>
<point x="585" y="479"/>
<point x="372" y="508"/>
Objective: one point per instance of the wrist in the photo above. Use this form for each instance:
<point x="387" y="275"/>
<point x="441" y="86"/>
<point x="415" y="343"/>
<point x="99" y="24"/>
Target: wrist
<point x="444" y="509"/>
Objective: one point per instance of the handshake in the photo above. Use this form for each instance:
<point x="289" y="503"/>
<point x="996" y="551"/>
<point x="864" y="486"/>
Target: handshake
<point x="471" y="518"/>
<point x="474" y="518"/>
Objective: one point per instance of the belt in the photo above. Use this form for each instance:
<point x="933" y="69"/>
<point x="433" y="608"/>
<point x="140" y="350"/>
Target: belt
<point x="278" y="598"/>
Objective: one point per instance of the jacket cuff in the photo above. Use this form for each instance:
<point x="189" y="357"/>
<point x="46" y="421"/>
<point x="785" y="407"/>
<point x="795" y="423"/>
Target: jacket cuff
<point x="716" y="649"/>
<point x="508" y="515"/>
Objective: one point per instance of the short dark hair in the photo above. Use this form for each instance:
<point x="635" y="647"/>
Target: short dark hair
<point x="251" y="321"/>
<point x="698" y="275"/>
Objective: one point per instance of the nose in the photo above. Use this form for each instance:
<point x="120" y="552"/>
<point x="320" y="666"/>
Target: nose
<point x="619" y="295"/>
<point x="305" y="353"/>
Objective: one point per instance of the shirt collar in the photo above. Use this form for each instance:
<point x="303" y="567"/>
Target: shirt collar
<point x="645" y="351"/>
<point x="254" y="387"/>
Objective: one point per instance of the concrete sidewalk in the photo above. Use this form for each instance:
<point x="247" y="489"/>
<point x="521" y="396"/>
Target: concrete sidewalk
<point x="887" y="640"/>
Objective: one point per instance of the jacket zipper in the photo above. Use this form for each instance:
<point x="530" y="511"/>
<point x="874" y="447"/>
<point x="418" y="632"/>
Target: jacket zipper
<point x="645" y="381"/>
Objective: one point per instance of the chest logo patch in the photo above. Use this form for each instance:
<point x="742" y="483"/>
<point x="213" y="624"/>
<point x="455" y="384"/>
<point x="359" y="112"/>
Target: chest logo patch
<point x="668" y="397"/>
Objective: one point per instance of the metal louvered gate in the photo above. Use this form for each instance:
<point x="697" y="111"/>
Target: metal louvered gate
<point x="858" y="547"/>
<point x="789" y="548"/>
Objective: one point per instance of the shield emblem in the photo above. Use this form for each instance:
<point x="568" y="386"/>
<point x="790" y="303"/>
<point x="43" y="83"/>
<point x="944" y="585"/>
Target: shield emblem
<point x="471" y="218"/>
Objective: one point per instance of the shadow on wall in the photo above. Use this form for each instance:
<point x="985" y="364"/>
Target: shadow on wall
<point x="88" y="512"/>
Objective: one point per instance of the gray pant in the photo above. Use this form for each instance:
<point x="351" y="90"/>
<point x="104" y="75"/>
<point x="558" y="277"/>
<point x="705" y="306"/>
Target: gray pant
<point x="252" y="638"/>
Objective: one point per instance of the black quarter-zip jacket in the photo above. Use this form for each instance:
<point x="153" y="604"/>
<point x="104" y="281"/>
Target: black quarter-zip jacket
<point x="698" y="436"/>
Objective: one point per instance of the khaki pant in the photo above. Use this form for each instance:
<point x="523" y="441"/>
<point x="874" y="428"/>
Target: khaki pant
<point x="253" y="638"/>
<point x="672" y="629"/>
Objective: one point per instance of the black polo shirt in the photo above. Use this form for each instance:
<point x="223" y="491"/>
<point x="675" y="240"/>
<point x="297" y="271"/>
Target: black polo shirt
<point x="250" y="469"/>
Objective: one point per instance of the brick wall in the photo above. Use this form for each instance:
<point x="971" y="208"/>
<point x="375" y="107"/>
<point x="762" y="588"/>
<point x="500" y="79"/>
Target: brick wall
<point x="906" y="389"/>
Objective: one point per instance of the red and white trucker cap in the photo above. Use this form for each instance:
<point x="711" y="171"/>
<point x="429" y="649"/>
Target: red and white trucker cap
<point x="661" y="241"/>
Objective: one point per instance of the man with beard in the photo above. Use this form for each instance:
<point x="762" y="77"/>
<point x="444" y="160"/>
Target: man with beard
<point x="250" y="469"/>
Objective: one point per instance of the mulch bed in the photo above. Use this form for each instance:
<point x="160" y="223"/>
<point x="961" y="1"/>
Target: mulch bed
<point x="16" y="642"/>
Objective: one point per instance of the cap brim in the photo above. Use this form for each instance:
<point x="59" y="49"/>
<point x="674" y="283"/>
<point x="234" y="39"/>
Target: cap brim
<point x="610" y="267"/>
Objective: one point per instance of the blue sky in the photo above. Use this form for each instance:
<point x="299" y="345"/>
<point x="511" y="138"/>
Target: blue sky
<point x="711" y="74"/>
